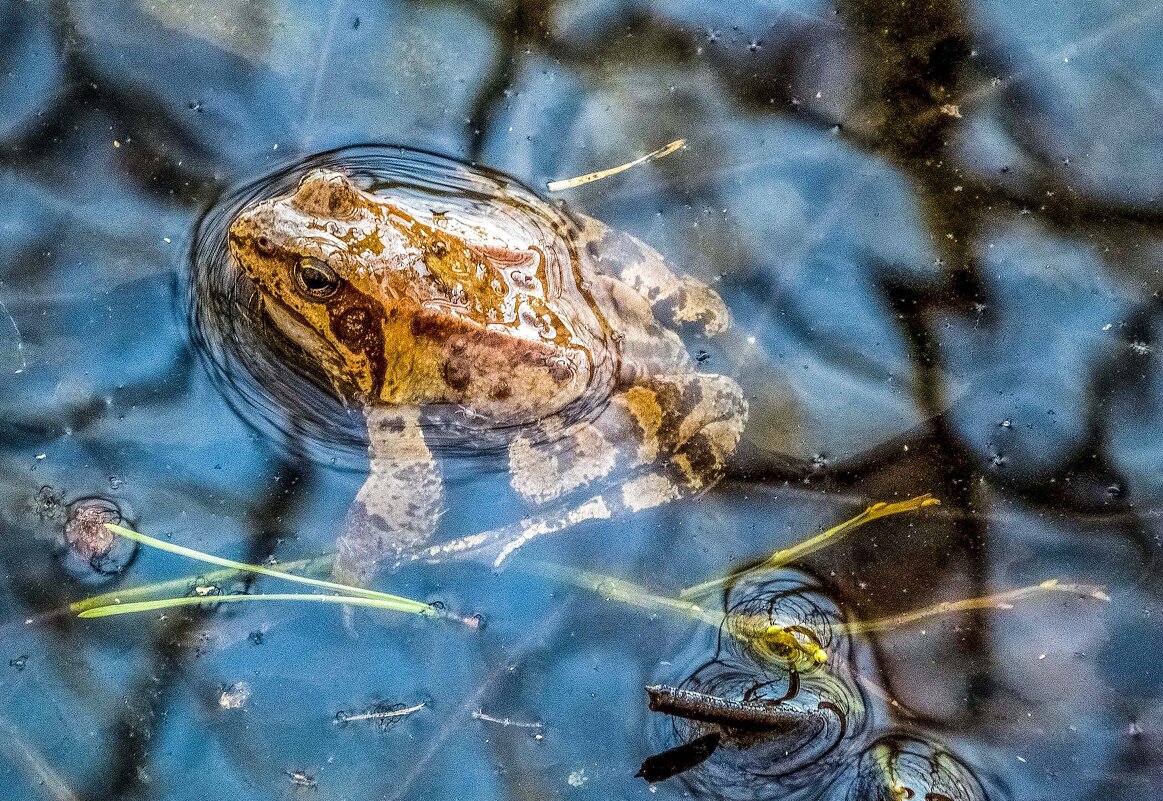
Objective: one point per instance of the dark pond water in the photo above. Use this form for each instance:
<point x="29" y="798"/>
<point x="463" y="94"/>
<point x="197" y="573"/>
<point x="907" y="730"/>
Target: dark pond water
<point x="938" y="229"/>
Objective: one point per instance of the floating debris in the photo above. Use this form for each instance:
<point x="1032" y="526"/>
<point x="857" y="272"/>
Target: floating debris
<point x="88" y="550"/>
<point x="519" y="724"/>
<point x="234" y="696"/>
<point x="384" y="715"/>
<point x="301" y="778"/>
<point x="590" y="177"/>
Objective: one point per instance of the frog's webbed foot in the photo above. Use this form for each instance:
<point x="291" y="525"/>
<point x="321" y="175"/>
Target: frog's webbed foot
<point x="680" y="300"/>
<point x="663" y="439"/>
<point x="398" y="507"/>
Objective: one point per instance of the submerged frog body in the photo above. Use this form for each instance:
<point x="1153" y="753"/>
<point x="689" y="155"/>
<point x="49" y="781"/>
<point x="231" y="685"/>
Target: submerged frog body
<point x="464" y="323"/>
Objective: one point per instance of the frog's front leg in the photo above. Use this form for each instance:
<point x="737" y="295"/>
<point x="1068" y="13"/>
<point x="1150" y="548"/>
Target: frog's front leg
<point x="664" y="438"/>
<point x="677" y="299"/>
<point x="398" y="507"/>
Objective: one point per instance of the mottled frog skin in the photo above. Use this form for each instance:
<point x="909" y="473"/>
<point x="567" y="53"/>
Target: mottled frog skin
<point x="554" y="333"/>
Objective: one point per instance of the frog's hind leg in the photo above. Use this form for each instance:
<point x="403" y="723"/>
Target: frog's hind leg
<point x="398" y="507"/>
<point x="676" y="299"/>
<point x="665" y="438"/>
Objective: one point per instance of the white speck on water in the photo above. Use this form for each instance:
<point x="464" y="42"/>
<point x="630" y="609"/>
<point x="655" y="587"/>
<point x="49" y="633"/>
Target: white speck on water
<point x="577" y="777"/>
<point x="19" y="339"/>
<point x="234" y="696"/>
<point x="1106" y="327"/>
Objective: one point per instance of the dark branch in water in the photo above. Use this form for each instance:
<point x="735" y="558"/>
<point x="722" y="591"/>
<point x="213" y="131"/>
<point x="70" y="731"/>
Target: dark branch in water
<point x="738" y="715"/>
<point x="679" y="759"/>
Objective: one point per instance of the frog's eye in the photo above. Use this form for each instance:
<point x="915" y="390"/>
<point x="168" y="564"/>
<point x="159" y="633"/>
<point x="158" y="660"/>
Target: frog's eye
<point x="315" y="278"/>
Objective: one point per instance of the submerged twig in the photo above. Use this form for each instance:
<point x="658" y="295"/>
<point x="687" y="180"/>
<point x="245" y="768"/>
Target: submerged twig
<point x="347" y="594"/>
<point x="191" y="553"/>
<point x="173" y="585"/>
<point x="412" y="607"/>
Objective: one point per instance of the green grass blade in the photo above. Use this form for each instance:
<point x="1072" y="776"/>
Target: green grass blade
<point x="318" y="563"/>
<point x="345" y="589"/>
<point x="409" y="606"/>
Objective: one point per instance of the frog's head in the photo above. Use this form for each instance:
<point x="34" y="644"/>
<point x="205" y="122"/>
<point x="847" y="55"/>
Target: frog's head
<point x="293" y="248"/>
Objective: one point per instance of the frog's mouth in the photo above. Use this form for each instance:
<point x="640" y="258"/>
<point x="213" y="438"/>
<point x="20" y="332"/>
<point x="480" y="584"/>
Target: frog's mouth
<point x="318" y="354"/>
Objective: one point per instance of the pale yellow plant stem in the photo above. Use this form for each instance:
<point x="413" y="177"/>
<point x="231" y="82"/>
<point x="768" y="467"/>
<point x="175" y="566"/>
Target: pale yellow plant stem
<point x="786" y="556"/>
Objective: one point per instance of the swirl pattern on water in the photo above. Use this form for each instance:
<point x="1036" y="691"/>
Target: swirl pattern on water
<point x="789" y="762"/>
<point x="783" y="651"/>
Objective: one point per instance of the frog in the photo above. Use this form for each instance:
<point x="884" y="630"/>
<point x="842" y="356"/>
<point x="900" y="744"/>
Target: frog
<point x="515" y="325"/>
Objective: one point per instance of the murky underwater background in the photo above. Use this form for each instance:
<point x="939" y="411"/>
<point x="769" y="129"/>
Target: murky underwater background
<point x="937" y="227"/>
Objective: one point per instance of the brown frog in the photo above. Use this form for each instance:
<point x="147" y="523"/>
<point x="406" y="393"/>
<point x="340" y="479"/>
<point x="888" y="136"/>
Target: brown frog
<point x="509" y="322"/>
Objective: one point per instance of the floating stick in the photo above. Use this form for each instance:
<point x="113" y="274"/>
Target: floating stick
<point x="570" y="183"/>
<point x="744" y="715"/>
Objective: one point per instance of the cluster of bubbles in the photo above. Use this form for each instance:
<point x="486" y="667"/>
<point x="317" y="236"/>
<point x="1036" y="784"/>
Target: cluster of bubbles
<point x="781" y="712"/>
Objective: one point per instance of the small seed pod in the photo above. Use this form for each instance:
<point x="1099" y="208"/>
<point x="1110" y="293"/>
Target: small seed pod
<point x="903" y="766"/>
<point x="87" y="549"/>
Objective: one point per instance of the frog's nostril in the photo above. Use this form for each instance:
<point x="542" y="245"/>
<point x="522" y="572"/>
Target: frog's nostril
<point x="264" y="245"/>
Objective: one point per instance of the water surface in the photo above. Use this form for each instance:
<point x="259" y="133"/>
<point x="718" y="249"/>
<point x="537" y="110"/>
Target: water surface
<point x="937" y="227"/>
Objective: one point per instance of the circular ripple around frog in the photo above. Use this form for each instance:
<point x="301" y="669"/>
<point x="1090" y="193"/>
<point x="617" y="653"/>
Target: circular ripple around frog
<point x="268" y="378"/>
<point x="796" y="763"/>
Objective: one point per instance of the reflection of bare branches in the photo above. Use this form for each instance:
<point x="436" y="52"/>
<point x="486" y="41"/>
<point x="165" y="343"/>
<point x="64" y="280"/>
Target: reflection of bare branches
<point x="1126" y="21"/>
<point x="19" y="338"/>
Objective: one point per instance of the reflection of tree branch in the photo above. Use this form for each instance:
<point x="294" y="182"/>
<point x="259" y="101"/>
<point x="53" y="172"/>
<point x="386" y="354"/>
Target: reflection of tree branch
<point x="518" y="24"/>
<point x="167" y="159"/>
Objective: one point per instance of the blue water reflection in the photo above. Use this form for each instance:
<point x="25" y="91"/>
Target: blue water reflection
<point x="938" y="233"/>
